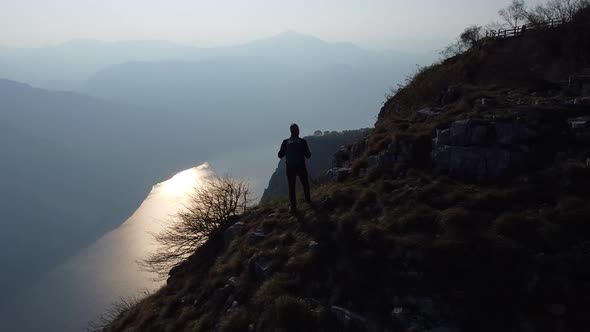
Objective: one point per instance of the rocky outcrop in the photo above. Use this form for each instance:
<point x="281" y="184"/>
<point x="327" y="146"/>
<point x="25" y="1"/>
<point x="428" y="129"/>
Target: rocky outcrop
<point x="490" y="149"/>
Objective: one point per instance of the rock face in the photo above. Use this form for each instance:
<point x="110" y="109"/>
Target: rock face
<point x="396" y="156"/>
<point x="488" y="150"/>
<point x="403" y="153"/>
<point x="323" y="149"/>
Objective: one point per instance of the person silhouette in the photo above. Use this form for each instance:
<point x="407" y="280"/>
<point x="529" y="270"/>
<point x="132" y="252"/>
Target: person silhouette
<point x="296" y="150"/>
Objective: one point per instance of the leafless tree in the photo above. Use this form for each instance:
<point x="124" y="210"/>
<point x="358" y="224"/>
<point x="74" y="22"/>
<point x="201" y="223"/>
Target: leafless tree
<point x="518" y="13"/>
<point x="212" y="206"/>
<point x="514" y="14"/>
<point x="555" y="9"/>
<point x="471" y="36"/>
<point x="468" y="39"/>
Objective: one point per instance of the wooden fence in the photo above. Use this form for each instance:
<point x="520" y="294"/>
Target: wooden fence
<point x="522" y="29"/>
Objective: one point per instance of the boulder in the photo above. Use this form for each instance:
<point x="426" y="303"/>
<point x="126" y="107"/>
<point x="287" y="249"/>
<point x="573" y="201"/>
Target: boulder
<point x="259" y="267"/>
<point x="429" y="111"/>
<point x="233" y="307"/>
<point x="258" y="235"/>
<point x="232" y="231"/>
<point x="579" y="123"/>
<point x="442" y="139"/>
<point x="220" y="295"/>
<point x="233" y="282"/>
<point x="313" y="246"/>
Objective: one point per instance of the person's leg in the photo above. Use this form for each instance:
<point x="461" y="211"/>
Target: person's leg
<point x="291" y="180"/>
<point x="304" y="177"/>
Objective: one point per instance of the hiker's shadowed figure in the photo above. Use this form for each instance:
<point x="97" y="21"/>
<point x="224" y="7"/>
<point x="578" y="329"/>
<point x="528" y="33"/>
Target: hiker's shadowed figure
<point x="296" y="150"/>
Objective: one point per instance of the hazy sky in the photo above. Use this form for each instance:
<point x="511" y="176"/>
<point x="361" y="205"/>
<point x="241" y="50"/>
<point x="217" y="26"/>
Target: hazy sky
<point x="367" y="22"/>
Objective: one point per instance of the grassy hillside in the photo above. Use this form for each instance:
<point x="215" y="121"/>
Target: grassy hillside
<point x="467" y="211"/>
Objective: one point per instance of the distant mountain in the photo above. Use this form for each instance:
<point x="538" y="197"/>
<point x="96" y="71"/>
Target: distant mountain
<point x="297" y="49"/>
<point x="246" y="90"/>
<point x="67" y="66"/>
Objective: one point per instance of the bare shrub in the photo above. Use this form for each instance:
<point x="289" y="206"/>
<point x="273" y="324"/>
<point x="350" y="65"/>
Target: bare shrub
<point x="212" y="206"/>
<point x="122" y="306"/>
<point x="518" y="13"/>
<point x="468" y="39"/>
<point x="555" y="9"/>
<point x="515" y="14"/>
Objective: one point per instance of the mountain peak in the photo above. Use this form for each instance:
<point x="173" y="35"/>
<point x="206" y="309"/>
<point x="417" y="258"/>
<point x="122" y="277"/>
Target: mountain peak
<point x="292" y="36"/>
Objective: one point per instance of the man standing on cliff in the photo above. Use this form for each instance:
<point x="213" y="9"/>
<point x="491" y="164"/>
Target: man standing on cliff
<point x="296" y="150"/>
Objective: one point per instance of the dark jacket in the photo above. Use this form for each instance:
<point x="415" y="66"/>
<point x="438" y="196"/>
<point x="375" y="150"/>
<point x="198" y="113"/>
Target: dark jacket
<point x="296" y="150"/>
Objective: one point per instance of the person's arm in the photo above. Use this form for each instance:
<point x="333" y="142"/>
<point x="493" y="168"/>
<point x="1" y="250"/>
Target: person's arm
<point x="283" y="149"/>
<point x="307" y="152"/>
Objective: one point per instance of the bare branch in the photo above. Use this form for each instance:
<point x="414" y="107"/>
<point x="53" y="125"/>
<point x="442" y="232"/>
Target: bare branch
<point x="211" y="207"/>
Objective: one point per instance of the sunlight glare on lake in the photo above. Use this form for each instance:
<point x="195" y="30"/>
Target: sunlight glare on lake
<point x="88" y="283"/>
<point x="183" y="182"/>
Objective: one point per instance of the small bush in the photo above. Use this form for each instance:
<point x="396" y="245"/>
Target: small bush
<point x="270" y="289"/>
<point x="469" y="38"/>
<point x="118" y="312"/>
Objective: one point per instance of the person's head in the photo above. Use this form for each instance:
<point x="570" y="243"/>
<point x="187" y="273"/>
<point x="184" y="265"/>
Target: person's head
<point x="294" y="130"/>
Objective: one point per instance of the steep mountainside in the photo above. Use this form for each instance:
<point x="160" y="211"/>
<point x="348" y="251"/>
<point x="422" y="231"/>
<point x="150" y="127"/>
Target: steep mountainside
<point x="465" y="210"/>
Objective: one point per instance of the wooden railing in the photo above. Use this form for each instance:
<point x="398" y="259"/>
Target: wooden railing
<point x="522" y="29"/>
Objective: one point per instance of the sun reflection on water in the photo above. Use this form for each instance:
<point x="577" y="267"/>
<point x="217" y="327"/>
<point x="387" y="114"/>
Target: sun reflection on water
<point x="183" y="183"/>
<point x="91" y="281"/>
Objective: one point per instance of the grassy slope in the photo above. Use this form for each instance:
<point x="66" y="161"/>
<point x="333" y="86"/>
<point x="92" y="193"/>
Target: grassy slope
<point x="451" y="253"/>
<point x="485" y="257"/>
